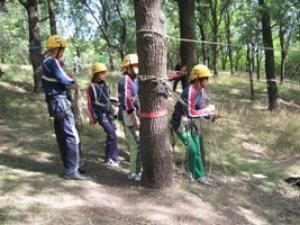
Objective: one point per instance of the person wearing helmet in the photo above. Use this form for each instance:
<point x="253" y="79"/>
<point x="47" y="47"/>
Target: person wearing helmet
<point x="130" y="110"/>
<point x="100" y="111"/>
<point x="55" y="83"/>
<point x="184" y="123"/>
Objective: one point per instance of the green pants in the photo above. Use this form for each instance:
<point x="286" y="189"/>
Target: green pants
<point x="193" y="155"/>
<point x="135" y="160"/>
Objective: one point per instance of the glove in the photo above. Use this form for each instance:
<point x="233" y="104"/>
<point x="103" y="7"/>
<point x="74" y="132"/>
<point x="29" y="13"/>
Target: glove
<point x="211" y="109"/>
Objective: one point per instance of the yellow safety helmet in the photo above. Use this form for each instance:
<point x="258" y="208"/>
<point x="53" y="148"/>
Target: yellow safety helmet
<point x="130" y="60"/>
<point x="98" y="67"/>
<point x="56" y="41"/>
<point x="200" y="71"/>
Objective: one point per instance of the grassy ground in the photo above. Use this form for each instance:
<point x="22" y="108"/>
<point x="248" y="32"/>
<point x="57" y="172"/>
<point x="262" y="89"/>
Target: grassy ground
<point x="248" y="140"/>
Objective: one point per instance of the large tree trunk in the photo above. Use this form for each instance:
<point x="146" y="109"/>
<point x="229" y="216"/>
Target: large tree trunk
<point x="52" y="19"/>
<point x="154" y="133"/>
<point x="269" y="56"/>
<point x="34" y="41"/>
<point x="187" y="30"/>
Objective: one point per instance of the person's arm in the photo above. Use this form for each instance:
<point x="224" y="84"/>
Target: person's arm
<point x="90" y="100"/>
<point x="60" y="74"/>
<point x="191" y="109"/>
<point x="128" y="90"/>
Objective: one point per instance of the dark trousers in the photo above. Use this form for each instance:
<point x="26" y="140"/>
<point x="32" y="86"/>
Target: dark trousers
<point x="176" y="81"/>
<point x="66" y="133"/>
<point x="68" y="142"/>
<point x="111" y="149"/>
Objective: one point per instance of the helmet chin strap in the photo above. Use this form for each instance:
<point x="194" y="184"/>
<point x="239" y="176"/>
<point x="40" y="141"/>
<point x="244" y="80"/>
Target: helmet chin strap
<point x="133" y="74"/>
<point x="59" y="49"/>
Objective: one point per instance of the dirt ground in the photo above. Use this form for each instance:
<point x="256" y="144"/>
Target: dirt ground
<point x="33" y="192"/>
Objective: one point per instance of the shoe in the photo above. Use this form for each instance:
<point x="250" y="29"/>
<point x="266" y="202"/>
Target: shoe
<point x="204" y="181"/>
<point x="112" y="163"/>
<point x="82" y="169"/>
<point x="131" y="176"/>
<point x="138" y="177"/>
<point x="76" y="176"/>
<point x="190" y="176"/>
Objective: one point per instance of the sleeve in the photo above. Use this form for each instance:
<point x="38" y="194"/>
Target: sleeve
<point x="191" y="109"/>
<point x="60" y="74"/>
<point x="90" y="100"/>
<point x="129" y="105"/>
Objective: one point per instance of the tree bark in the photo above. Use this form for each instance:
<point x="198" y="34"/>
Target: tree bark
<point x="269" y="56"/>
<point x="187" y="30"/>
<point x="228" y="37"/>
<point x="34" y="41"/>
<point x="215" y="32"/>
<point x="51" y="11"/>
<point x="249" y="68"/>
<point x="202" y="20"/>
<point x="154" y="132"/>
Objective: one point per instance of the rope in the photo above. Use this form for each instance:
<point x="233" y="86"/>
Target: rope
<point x="213" y="42"/>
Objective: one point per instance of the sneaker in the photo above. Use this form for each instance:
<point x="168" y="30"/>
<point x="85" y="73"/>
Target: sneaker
<point x="190" y="176"/>
<point x="82" y="169"/>
<point x="112" y="163"/>
<point x="138" y="177"/>
<point x="131" y="176"/>
<point x="76" y="176"/>
<point x="204" y="181"/>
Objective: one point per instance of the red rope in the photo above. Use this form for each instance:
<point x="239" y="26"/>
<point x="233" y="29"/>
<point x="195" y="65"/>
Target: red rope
<point x="150" y="115"/>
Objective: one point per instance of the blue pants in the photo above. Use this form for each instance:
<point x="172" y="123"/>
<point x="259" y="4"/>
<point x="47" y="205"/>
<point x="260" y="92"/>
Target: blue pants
<point x="111" y="150"/>
<point x="66" y="133"/>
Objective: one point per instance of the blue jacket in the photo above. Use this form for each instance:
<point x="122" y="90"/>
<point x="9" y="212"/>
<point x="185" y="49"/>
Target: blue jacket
<point x="55" y="81"/>
<point x="128" y="94"/>
<point x="98" y="101"/>
<point x="194" y="108"/>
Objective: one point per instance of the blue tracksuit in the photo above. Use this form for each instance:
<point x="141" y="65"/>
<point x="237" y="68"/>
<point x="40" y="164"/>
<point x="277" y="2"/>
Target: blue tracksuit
<point x="55" y="82"/>
<point x="98" y="106"/>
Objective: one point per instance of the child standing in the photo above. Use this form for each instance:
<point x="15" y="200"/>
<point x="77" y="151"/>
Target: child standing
<point x="99" y="111"/>
<point x="184" y="120"/>
<point x="55" y="83"/>
<point x="129" y="106"/>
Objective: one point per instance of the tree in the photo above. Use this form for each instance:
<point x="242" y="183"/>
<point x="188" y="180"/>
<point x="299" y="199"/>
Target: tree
<point x="187" y="31"/>
<point x="202" y="23"/>
<point x="52" y="19"/>
<point x="154" y="133"/>
<point x="269" y="55"/>
<point x="34" y="40"/>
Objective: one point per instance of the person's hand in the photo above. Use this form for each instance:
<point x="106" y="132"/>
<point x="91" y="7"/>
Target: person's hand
<point x="216" y="115"/>
<point x="135" y="120"/>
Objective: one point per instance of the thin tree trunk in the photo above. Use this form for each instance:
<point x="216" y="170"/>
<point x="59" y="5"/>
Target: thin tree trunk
<point x="187" y="30"/>
<point x="228" y="37"/>
<point x="52" y="18"/>
<point x="215" y="32"/>
<point x="258" y="60"/>
<point x="34" y="41"/>
<point x="154" y="133"/>
<point x="249" y="68"/>
<point x="269" y="56"/>
<point x="203" y="45"/>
